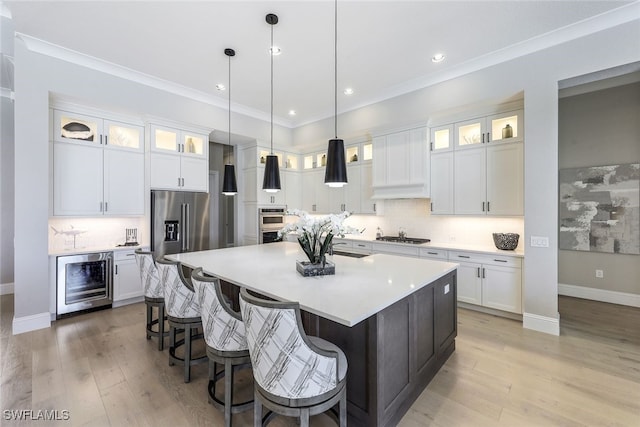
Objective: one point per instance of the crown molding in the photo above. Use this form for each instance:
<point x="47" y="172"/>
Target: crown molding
<point x="594" y="24"/>
<point x="4" y="11"/>
<point x="59" y="52"/>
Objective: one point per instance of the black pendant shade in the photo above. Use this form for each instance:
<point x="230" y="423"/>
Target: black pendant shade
<point x="271" y="181"/>
<point x="229" y="185"/>
<point x="335" y="174"/>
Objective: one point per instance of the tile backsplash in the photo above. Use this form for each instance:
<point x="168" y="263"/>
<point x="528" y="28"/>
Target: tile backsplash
<point x="414" y="216"/>
<point x="93" y="232"/>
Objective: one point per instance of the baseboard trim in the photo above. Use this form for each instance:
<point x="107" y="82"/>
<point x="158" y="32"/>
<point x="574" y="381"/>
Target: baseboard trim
<point x="602" y="295"/>
<point x="6" y="288"/>
<point x="548" y="325"/>
<point x="31" y="323"/>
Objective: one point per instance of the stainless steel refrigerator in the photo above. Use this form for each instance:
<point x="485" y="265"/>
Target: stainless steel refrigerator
<point x="179" y="222"/>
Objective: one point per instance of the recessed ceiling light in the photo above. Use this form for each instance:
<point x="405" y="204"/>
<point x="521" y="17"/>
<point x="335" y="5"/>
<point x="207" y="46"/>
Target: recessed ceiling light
<point x="292" y="112"/>
<point x="275" y="50"/>
<point x="438" y="57"/>
<point x="348" y="91"/>
<point x="220" y="86"/>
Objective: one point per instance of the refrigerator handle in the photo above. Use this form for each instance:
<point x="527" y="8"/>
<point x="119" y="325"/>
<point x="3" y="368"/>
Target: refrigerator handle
<point x="187" y="227"/>
<point x="183" y="246"/>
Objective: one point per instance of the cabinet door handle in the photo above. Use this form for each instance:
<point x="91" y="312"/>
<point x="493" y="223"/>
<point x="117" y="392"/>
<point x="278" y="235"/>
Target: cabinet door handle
<point x="488" y="137"/>
<point x="483" y="275"/>
<point x="431" y="146"/>
<point x="500" y="260"/>
<point x="488" y="207"/>
<point x="178" y="181"/>
<point x="483" y="138"/>
<point x="431" y="206"/>
<point x="463" y="256"/>
<point x="100" y="206"/>
<point x="374" y="207"/>
<point x="106" y="140"/>
<point x="116" y="268"/>
<point x="478" y="272"/>
<point x="106" y="206"/>
<point x="482" y="206"/>
<point x="131" y="255"/>
<point x="100" y="139"/>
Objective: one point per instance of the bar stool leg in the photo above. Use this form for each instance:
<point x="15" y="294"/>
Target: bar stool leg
<point x="187" y="353"/>
<point x="228" y="392"/>
<point x="149" y="317"/>
<point x="160" y="327"/>
<point x="257" y="410"/>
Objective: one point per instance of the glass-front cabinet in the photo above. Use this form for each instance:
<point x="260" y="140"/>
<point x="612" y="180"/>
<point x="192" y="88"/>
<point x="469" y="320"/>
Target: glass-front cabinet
<point x="169" y="140"/>
<point x="441" y="138"/>
<point x="504" y="127"/>
<point x="88" y="130"/>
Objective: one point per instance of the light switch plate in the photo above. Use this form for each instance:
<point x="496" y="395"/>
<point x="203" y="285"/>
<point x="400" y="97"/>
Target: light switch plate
<point x="539" y="242"/>
<point x="446" y="289"/>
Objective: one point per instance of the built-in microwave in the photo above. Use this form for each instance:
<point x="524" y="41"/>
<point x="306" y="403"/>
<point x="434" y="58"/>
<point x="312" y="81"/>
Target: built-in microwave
<point x="270" y="220"/>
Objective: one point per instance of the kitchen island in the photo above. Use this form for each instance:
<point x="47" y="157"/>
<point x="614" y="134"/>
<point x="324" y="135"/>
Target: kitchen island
<point x="394" y="317"/>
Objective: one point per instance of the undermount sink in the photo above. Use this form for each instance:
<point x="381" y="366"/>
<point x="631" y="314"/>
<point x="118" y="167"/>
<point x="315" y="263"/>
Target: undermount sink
<point x="408" y="240"/>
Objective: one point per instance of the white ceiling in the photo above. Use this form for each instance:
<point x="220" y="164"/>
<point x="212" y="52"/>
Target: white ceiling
<point x="384" y="47"/>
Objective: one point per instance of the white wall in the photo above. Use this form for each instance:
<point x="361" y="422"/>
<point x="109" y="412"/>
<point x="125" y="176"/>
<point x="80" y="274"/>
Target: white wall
<point x="40" y="77"/>
<point x="536" y="76"/>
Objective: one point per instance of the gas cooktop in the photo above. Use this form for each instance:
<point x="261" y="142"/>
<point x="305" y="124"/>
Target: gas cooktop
<point x="409" y="240"/>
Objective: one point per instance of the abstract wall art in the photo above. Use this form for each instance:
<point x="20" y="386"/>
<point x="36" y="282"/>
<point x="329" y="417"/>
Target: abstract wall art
<point x="600" y="209"/>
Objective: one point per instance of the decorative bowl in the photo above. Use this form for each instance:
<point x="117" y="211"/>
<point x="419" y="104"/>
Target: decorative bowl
<point x="506" y="241"/>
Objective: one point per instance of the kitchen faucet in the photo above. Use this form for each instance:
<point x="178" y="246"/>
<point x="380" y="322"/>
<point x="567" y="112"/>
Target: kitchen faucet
<point x="401" y="233"/>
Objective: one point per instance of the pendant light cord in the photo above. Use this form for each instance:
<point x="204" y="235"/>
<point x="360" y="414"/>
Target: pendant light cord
<point x="229" y="157"/>
<point x="271" y="52"/>
<point x="335" y="68"/>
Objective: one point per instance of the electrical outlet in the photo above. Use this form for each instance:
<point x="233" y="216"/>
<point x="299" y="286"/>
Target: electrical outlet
<point x="599" y="274"/>
<point x="539" y="242"/>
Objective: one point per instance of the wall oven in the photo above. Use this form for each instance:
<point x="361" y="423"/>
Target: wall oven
<point x="270" y="220"/>
<point x="84" y="281"/>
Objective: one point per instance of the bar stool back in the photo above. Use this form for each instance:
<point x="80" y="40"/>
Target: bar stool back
<point x="294" y="375"/>
<point x="153" y="295"/>
<point x="183" y="314"/>
<point x="224" y="333"/>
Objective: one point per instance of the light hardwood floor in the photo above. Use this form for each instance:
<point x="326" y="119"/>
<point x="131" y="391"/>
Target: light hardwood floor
<point x="101" y="369"/>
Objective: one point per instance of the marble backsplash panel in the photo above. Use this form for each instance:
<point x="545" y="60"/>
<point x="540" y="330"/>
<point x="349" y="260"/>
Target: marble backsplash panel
<point x="80" y="233"/>
<point x="414" y="216"/>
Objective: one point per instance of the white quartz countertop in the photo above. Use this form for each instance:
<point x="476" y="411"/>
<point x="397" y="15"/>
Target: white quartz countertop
<point x="92" y="249"/>
<point x="360" y="288"/>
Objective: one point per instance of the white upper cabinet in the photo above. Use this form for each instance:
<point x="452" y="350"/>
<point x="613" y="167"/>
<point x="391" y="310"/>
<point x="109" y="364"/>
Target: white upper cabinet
<point x="89" y="130"/>
<point x="400" y="165"/>
<point x="98" y="166"/>
<point x="441" y="138"/>
<point x="503" y="127"/>
<point x="484" y="174"/>
<point x="505" y="179"/>
<point x="179" y="159"/>
<point x="442" y="183"/>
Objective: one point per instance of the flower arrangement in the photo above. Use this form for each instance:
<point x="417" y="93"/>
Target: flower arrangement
<point x="315" y="233"/>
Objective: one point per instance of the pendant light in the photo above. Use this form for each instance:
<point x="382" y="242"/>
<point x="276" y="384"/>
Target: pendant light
<point x="335" y="173"/>
<point x="271" y="181"/>
<point x="229" y="185"/>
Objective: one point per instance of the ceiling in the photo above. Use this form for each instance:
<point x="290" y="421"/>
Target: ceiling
<point x="384" y="47"/>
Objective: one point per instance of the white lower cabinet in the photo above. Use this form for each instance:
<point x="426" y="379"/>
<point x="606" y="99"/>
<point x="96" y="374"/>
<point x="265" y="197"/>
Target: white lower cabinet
<point x="126" y="276"/>
<point x="490" y="281"/>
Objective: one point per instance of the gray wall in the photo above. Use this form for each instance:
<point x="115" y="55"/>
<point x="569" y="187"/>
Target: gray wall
<point x="595" y="129"/>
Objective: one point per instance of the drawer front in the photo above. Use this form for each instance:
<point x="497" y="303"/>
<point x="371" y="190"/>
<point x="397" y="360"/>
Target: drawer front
<point x="458" y="256"/>
<point x="395" y="249"/>
<point x="123" y="255"/>
<point x="433" y="253"/>
<point x="362" y="246"/>
<point x="488" y="259"/>
<point x="505" y="261"/>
